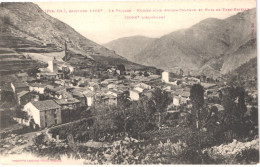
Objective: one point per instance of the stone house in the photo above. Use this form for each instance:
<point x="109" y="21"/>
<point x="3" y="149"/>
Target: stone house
<point x="110" y="99"/>
<point x="37" y="87"/>
<point x="23" y="97"/>
<point x="165" y="76"/>
<point x="19" y="86"/>
<point x="134" y="95"/>
<point x="90" y="98"/>
<point x="44" y="113"/>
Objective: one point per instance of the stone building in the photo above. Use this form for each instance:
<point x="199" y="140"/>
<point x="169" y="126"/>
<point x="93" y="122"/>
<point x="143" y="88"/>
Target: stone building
<point x="44" y="113"/>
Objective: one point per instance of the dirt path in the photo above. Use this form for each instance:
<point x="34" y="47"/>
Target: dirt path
<point x="29" y="137"/>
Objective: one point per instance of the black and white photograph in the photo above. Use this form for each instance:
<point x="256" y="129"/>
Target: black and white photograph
<point x="128" y="83"/>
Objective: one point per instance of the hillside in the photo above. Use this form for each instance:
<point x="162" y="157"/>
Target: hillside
<point x="25" y="30"/>
<point x="208" y="47"/>
<point x="129" y="46"/>
<point x="245" y="75"/>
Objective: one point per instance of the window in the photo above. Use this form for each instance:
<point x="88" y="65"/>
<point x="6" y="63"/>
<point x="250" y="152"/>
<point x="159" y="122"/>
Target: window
<point x="45" y="124"/>
<point x="55" y="121"/>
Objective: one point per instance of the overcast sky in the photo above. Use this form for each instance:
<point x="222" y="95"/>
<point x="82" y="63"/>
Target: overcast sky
<point x="104" y="26"/>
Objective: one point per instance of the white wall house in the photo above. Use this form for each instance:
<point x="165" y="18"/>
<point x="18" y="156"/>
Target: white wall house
<point x="37" y="88"/>
<point x="111" y="86"/>
<point x="139" y="89"/>
<point x="90" y="98"/>
<point x="143" y="85"/>
<point x="134" y="94"/>
<point x="176" y="101"/>
<point x="112" y="93"/>
<point x="44" y="113"/>
<point x="165" y="76"/>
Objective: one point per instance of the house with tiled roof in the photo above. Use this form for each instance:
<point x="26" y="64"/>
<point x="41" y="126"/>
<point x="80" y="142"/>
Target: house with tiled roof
<point x="90" y="98"/>
<point x="19" y="86"/>
<point x="37" y="87"/>
<point x="180" y="96"/>
<point x="68" y="104"/>
<point x="80" y="96"/>
<point x="44" y="113"/>
<point x="110" y="99"/>
<point x="23" y="97"/>
<point x="134" y="94"/>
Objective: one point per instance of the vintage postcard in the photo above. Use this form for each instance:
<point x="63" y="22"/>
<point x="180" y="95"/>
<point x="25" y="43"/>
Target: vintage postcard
<point x="128" y="82"/>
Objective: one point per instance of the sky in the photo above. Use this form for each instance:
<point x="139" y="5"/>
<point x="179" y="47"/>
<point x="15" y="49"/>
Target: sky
<point x="97" y="22"/>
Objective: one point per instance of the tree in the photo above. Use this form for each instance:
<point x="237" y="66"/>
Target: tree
<point x="106" y="122"/>
<point x="159" y="102"/>
<point x="254" y="115"/>
<point x="158" y="72"/>
<point x="146" y="74"/>
<point x="133" y="75"/>
<point x="121" y="67"/>
<point x="140" y="73"/>
<point x="241" y="103"/>
<point x="141" y="119"/>
<point x="21" y="114"/>
<point x="233" y="119"/>
<point x="121" y="77"/>
<point x="33" y="72"/>
<point x="197" y="100"/>
<point x="8" y="96"/>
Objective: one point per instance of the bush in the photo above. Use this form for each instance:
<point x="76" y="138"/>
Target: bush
<point x="248" y="156"/>
<point x="38" y="140"/>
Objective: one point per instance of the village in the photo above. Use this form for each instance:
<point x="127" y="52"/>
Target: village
<point x="54" y="99"/>
<point x="53" y="93"/>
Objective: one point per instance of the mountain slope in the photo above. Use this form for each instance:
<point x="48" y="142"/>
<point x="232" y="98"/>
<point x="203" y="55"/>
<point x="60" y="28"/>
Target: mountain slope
<point x="207" y="47"/>
<point x="129" y="46"/>
<point x="245" y="75"/>
<point x="25" y="29"/>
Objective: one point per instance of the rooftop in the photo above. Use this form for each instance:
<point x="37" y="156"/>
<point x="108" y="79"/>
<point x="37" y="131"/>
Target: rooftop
<point x="76" y="93"/>
<point x="109" y="96"/>
<point x="208" y="85"/>
<point x="67" y="101"/>
<point x="37" y="85"/>
<point x="20" y="84"/>
<point x="20" y="94"/>
<point x="136" y="91"/>
<point x="185" y="94"/>
<point x="45" y="105"/>
<point x="89" y="94"/>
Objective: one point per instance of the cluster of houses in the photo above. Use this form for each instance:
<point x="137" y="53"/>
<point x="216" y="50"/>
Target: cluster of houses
<point x="179" y="89"/>
<point x="64" y="95"/>
<point x="55" y="70"/>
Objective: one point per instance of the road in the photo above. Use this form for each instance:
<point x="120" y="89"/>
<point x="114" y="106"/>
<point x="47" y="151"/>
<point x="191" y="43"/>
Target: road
<point x="28" y="136"/>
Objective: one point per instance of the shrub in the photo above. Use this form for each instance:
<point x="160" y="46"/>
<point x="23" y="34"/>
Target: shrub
<point x="248" y="156"/>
